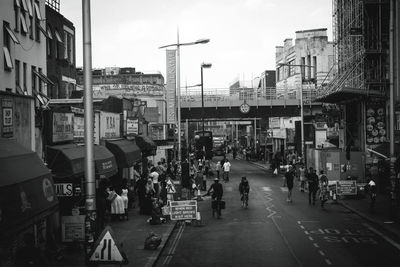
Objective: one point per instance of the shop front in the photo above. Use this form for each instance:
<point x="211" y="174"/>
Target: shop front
<point x="28" y="204"/>
<point x="147" y="147"/>
<point x="67" y="163"/>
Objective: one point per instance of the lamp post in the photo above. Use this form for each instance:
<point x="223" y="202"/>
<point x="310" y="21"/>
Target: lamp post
<point x="301" y="106"/>
<point x="178" y="83"/>
<point x="203" y="66"/>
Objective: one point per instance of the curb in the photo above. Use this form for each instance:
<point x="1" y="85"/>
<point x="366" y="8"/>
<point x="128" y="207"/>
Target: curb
<point x="371" y="220"/>
<point x="153" y="261"/>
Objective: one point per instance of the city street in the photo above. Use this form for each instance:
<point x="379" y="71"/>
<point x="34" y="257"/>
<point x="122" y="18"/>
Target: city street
<point x="272" y="232"/>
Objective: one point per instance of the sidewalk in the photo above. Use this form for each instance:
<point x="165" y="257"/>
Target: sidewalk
<point x="131" y="234"/>
<point x="381" y="216"/>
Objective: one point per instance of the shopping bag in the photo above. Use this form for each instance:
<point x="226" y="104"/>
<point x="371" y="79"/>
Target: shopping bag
<point x="276" y="171"/>
<point x="222" y="203"/>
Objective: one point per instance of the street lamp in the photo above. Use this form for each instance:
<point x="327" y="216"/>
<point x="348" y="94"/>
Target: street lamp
<point x="178" y="83"/>
<point x="301" y="106"/>
<point x="203" y="66"/>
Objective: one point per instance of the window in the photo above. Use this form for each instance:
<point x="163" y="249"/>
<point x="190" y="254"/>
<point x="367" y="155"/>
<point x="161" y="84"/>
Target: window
<point x="17" y="7"/>
<point x="38" y="18"/>
<point x="57" y="49"/>
<point x="49" y="42"/>
<point x="30" y="16"/>
<point x="69" y="45"/>
<point x="24" y="66"/>
<point x="24" y="27"/>
<point x="308" y="67"/>
<point x="17" y="74"/>
<point x="315" y="67"/>
<point x="40" y="82"/>
<point x="292" y="69"/>
<point x="33" y="76"/>
<point x="8" y="35"/>
<point x="303" y="68"/>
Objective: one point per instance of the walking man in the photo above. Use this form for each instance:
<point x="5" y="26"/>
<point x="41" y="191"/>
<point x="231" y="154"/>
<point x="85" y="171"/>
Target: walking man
<point x="227" y="169"/>
<point x="312" y="180"/>
<point x="323" y="182"/>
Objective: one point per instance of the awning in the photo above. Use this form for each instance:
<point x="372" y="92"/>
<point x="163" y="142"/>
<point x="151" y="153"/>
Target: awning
<point x="126" y="152"/>
<point x="69" y="160"/>
<point x="383" y="150"/>
<point x="26" y="185"/>
<point x="42" y="77"/>
<point x="146" y="145"/>
<point x="346" y="94"/>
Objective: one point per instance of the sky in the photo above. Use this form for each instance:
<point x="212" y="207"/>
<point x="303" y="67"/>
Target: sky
<point x="243" y="34"/>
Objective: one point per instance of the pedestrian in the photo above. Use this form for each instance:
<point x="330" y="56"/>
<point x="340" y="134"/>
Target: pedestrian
<point x="372" y="193"/>
<point x="227" y="169"/>
<point x="150" y="195"/>
<point x="312" y="180"/>
<point x="302" y="177"/>
<point x="323" y="184"/>
<point x="124" y="196"/>
<point x="289" y="178"/>
<point x="117" y="204"/>
<point x="101" y="204"/>
<point x="141" y="191"/>
<point x="218" y="168"/>
<point x="170" y="190"/>
<point x="154" y="175"/>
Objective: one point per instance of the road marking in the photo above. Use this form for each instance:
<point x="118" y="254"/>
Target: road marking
<point x="316" y="245"/>
<point x="298" y="222"/>
<point x="171" y="251"/>
<point x="266" y="188"/>
<point x="284" y="189"/>
<point x="312" y="239"/>
<point x="302" y="227"/>
<point x="328" y="262"/>
<point x="393" y="243"/>
<point x="321" y="252"/>
<point x="228" y="189"/>
<point x="306" y="232"/>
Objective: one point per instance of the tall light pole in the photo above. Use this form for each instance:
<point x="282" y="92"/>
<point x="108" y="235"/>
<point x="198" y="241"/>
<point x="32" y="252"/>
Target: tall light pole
<point x="203" y="66"/>
<point x="303" y="156"/>
<point x="178" y="84"/>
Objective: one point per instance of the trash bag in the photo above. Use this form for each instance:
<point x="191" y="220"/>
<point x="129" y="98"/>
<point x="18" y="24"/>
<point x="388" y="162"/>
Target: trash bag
<point x="152" y="241"/>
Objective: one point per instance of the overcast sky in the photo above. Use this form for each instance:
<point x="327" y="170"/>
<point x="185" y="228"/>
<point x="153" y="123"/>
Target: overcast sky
<point x="243" y="34"/>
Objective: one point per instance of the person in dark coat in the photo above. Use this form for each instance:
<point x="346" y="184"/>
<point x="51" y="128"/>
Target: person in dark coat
<point x="141" y="192"/>
<point x="312" y="180"/>
<point x="289" y="177"/>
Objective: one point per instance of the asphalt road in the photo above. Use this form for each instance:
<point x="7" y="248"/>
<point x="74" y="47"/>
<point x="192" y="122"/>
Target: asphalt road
<point x="272" y="232"/>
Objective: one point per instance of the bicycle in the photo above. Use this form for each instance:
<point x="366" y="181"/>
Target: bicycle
<point x="245" y="200"/>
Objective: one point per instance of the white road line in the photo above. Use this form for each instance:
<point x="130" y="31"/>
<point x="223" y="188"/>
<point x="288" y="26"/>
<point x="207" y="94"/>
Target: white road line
<point x="266" y="188"/>
<point x="306" y="232"/>
<point x="321" y="252"/>
<point x="302" y="227"/>
<point x="316" y="245"/>
<point x="284" y="189"/>
<point x="312" y="239"/>
<point x="328" y="262"/>
<point x="298" y="222"/>
<point x="388" y="239"/>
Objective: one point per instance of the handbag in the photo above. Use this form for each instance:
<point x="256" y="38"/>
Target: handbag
<point x="222" y="203"/>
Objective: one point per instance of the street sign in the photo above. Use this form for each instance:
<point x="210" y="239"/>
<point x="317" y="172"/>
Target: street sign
<point x="346" y="188"/>
<point x="106" y="250"/>
<point x="184" y="210"/>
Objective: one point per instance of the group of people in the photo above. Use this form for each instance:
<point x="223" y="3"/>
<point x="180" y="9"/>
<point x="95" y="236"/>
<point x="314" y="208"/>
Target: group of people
<point x="223" y="167"/>
<point x="311" y="179"/>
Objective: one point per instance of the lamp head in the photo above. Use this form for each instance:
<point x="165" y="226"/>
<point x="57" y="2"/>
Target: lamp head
<point x="206" y="65"/>
<point x="202" y="41"/>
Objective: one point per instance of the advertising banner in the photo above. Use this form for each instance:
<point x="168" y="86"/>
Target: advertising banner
<point x="346" y="188"/>
<point x="132" y="126"/>
<point x="109" y="125"/>
<point x="375" y="123"/>
<point x="63" y="127"/>
<point x="171" y="86"/>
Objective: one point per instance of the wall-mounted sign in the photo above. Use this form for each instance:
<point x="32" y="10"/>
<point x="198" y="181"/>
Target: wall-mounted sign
<point x="171" y="86"/>
<point x="132" y="126"/>
<point x="7" y="118"/>
<point x="109" y="125"/>
<point x="244" y="108"/>
<point x="64" y="190"/>
<point x="158" y="131"/>
<point x="63" y="127"/>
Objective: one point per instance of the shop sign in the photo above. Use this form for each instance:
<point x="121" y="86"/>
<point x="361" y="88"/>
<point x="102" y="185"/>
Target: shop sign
<point x="274" y="122"/>
<point x="346" y="188"/>
<point x="132" y="126"/>
<point x="7" y="118"/>
<point x="279" y="133"/>
<point x="109" y="125"/>
<point x="183" y="210"/>
<point x="64" y="190"/>
<point x="73" y="228"/>
<point x="158" y="131"/>
<point x="63" y="127"/>
<point x="170" y="90"/>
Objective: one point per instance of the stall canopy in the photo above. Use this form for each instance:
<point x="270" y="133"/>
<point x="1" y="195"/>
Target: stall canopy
<point x="26" y="186"/>
<point x="125" y="152"/>
<point x="69" y="160"/>
<point x="146" y="145"/>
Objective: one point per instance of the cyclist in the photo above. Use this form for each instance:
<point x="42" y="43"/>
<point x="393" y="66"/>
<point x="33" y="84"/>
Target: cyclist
<point x="244" y="187"/>
<point x="217" y="192"/>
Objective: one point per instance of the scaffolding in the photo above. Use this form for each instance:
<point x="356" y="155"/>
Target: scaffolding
<point x="361" y="45"/>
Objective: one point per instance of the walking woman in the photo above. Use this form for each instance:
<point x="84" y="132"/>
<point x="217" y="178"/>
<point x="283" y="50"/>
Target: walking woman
<point x="323" y="184"/>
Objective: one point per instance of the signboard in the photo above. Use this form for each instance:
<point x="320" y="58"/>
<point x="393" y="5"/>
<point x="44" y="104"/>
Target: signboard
<point x="64" y="190"/>
<point x="73" y="228"/>
<point x="79" y="128"/>
<point x="158" y="131"/>
<point x="184" y="210"/>
<point x="171" y="86"/>
<point x="63" y="127"/>
<point x="7" y="118"/>
<point x="132" y="126"/>
<point x="109" y="125"/>
<point x="106" y="249"/>
<point x="103" y="91"/>
<point x="346" y="188"/>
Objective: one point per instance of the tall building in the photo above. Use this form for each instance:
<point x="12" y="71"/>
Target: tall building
<point x="306" y="64"/>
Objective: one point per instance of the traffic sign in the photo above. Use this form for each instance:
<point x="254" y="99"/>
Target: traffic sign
<point x="106" y="250"/>
<point x="184" y="210"/>
<point x="346" y="188"/>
